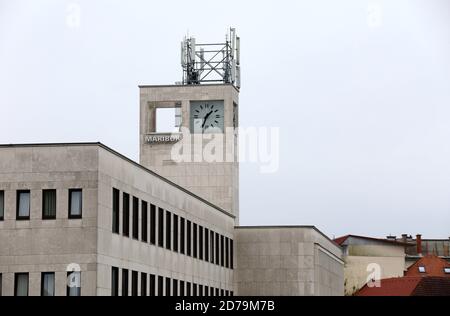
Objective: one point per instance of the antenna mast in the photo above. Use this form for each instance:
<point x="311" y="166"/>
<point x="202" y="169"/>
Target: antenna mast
<point x="211" y="62"/>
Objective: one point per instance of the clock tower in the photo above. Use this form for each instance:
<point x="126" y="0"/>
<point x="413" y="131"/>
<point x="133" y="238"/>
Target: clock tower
<point x="188" y="131"/>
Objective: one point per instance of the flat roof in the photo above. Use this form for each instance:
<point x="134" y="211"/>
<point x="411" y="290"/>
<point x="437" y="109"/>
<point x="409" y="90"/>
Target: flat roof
<point x="99" y="144"/>
<point x="189" y="85"/>
<point x="291" y="227"/>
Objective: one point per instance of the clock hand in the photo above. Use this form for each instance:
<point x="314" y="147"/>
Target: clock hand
<point x="206" y="118"/>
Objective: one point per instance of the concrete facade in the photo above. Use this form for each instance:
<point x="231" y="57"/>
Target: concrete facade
<point x="36" y="245"/>
<point x="368" y="256"/>
<point x="284" y="261"/>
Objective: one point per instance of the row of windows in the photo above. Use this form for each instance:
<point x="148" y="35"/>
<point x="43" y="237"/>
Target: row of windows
<point x="23" y="204"/>
<point x="153" y="285"/>
<point x="22" y="282"/>
<point x="170" y="231"/>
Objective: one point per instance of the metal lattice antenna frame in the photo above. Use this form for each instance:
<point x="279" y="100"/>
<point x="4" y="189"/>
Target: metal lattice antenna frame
<point x="211" y="62"/>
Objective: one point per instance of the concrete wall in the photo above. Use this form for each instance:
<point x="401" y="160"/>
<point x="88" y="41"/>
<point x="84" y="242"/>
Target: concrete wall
<point x="122" y="252"/>
<point x="36" y="245"/>
<point x="217" y="182"/>
<point x="287" y="261"/>
<point x="389" y="258"/>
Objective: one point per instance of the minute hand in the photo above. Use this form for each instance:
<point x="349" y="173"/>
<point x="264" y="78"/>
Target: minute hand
<point x="206" y="118"/>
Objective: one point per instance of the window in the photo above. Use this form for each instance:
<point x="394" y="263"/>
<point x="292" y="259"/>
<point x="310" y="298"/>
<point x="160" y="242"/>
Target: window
<point x="222" y="251"/>
<point x="144" y="219"/>
<point x="160" y="286"/>
<point x="447" y="270"/>
<point x="73" y="283"/>
<point x="48" y="284"/>
<point x="175" y="287"/>
<point x="134" y="283"/>
<point x="231" y="257"/>
<point x="222" y="292"/>
<point x="126" y="215"/>
<point x="194" y="289"/>
<point x="188" y="289"/>
<point x="1" y="284"/>
<point x="188" y="238"/>
<point x="75" y="203"/>
<point x="21" y="284"/>
<point x="124" y="282"/>
<point x="2" y="205"/>
<point x="181" y="288"/>
<point x="23" y="204"/>
<point x="143" y="284"/>
<point x="114" y="281"/>
<point x="206" y="244"/>
<point x="211" y="242"/>
<point x="175" y="233"/>
<point x="194" y="232"/>
<point x="49" y="204"/>
<point x="135" y="218"/>
<point x="168" y="120"/>
<point x="152" y="224"/>
<point x="200" y="242"/>
<point x="152" y="285"/>
<point x="115" y="211"/>
<point x="182" y="236"/>
<point x="217" y="261"/>
<point x="217" y="292"/>
<point x="422" y="269"/>
<point x="200" y="290"/>
<point x="168" y="286"/>
<point x="227" y="252"/>
<point x="161" y="227"/>
<point x="168" y="230"/>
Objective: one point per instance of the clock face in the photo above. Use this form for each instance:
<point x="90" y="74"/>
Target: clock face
<point x="207" y="117"/>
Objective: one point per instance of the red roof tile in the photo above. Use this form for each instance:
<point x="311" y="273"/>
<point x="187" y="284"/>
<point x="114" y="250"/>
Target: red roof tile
<point x="434" y="266"/>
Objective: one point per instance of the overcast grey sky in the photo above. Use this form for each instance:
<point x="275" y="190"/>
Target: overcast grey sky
<point x="360" y="91"/>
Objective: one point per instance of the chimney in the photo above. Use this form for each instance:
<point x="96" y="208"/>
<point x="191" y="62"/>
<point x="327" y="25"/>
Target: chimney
<point x="404" y="237"/>
<point x="419" y="244"/>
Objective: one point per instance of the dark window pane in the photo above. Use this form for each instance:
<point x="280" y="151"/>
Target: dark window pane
<point x="23" y="206"/>
<point x="200" y="242"/>
<point x="168" y="286"/>
<point x="231" y="255"/>
<point x="48" y="284"/>
<point x="161" y="227"/>
<point x="152" y="285"/>
<point x="144" y="219"/>
<point x="217" y="261"/>
<point x="126" y="215"/>
<point x="125" y="282"/>
<point x="21" y="284"/>
<point x="115" y="211"/>
<point x="2" y="205"/>
<point x="206" y="244"/>
<point x="194" y="289"/>
<point x="74" y="283"/>
<point x="143" y="284"/>
<point x="188" y="238"/>
<point x="75" y="203"/>
<point x="175" y="233"/>
<point x="222" y="251"/>
<point x="182" y="236"/>
<point x="114" y="281"/>
<point x="188" y="289"/>
<point x="211" y="242"/>
<point x="227" y="252"/>
<point x="175" y="287"/>
<point x="135" y="218"/>
<point x="200" y="290"/>
<point x="160" y="286"/>
<point x="181" y="288"/>
<point x="168" y="230"/>
<point x="134" y="283"/>
<point x="194" y="239"/>
<point x="48" y="204"/>
<point x="152" y="224"/>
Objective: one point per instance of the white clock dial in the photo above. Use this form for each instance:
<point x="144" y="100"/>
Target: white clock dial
<point x="207" y="117"/>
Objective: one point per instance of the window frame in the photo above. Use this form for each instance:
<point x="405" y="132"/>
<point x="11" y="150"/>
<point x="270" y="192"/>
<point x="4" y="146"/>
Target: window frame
<point x="116" y="211"/>
<point x="135" y="218"/>
<point x="144" y="221"/>
<point x="68" y="288"/>
<point x="2" y="207"/>
<point x="125" y="214"/>
<point x="43" y="274"/>
<point x="16" y="276"/>
<point x="115" y="281"/>
<point x="46" y="217"/>
<point x="78" y="216"/>
<point x="18" y="217"/>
